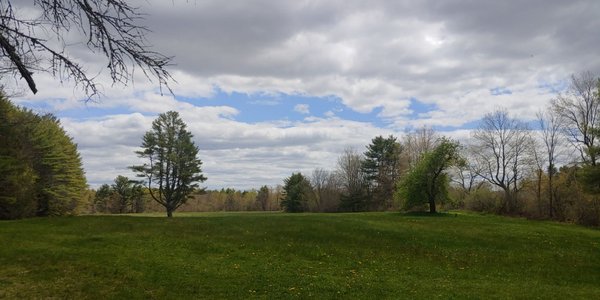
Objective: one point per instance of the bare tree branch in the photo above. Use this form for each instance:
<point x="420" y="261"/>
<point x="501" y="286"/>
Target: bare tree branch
<point x="110" y="27"/>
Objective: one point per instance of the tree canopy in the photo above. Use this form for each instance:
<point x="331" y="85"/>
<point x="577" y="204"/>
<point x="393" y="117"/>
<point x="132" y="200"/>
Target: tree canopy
<point x="172" y="170"/>
<point x="427" y="182"/>
<point x="381" y="167"/>
<point x="296" y="193"/>
<point x="40" y="168"/>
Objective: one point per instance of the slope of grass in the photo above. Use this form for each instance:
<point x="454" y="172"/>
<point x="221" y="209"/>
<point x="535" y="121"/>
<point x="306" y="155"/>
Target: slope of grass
<point x="267" y="255"/>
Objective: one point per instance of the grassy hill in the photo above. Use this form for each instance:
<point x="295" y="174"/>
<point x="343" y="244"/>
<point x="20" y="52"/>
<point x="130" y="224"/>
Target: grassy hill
<point x="276" y="255"/>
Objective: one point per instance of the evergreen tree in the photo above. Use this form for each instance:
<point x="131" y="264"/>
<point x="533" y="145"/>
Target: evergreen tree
<point x="102" y="199"/>
<point x="172" y="171"/>
<point x="40" y="169"/>
<point x="262" y="198"/>
<point x="296" y="192"/>
<point x="382" y="169"/>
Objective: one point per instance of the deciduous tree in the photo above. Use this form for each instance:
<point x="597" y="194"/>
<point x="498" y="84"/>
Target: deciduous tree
<point x="110" y="29"/>
<point x="579" y="108"/>
<point x="502" y="149"/>
<point x="427" y="182"/>
<point x="353" y="181"/>
<point x="551" y="125"/>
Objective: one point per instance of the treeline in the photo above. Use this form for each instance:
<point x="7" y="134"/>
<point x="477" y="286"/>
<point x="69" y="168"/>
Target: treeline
<point x="547" y="169"/>
<point x="128" y="196"/>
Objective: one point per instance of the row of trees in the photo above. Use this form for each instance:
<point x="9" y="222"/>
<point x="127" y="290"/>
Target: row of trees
<point x="507" y="166"/>
<point x="413" y="169"/>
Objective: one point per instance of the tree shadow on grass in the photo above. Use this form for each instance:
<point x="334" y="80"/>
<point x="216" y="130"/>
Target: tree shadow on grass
<point x="428" y="214"/>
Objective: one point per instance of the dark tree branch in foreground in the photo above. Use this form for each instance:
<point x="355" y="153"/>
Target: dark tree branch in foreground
<point x="111" y="28"/>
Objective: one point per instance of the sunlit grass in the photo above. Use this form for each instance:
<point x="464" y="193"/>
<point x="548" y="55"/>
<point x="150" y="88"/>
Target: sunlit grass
<point x="276" y="255"/>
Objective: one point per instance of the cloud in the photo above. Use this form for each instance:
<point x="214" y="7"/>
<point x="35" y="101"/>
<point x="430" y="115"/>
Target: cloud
<point x="266" y="102"/>
<point x="461" y="59"/>
<point x="302" y="108"/>
<point x="230" y="150"/>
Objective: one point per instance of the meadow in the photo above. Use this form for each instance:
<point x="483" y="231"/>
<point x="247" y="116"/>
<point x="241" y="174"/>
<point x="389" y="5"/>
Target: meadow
<point x="278" y="255"/>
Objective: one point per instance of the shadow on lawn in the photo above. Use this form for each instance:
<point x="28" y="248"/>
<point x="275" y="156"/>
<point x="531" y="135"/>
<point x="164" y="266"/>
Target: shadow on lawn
<point x="428" y="214"/>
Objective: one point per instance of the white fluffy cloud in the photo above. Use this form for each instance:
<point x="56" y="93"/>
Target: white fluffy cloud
<point x="302" y="108"/>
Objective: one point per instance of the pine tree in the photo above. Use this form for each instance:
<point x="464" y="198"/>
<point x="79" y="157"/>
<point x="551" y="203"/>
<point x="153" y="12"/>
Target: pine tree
<point x="382" y="169"/>
<point x="40" y="169"/>
<point x="296" y="192"/>
<point x="172" y="170"/>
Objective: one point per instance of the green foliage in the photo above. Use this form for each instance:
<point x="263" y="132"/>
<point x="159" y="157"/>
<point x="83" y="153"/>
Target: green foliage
<point x="103" y="198"/>
<point x="172" y="171"/>
<point x="123" y="196"/>
<point x="282" y="256"/>
<point x="381" y="167"/>
<point x="41" y="171"/>
<point x="590" y="173"/>
<point x="262" y="198"/>
<point x="296" y="193"/>
<point x="354" y="200"/>
<point x="427" y="182"/>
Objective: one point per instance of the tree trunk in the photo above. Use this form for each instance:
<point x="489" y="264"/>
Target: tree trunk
<point x="550" y="195"/>
<point x="507" y="207"/>
<point x="539" y="191"/>
<point x="432" y="206"/>
<point x="169" y="213"/>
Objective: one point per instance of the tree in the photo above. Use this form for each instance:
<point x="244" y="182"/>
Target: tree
<point x="502" y="146"/>
<point x="102" y="199"/>
<point x="296" y="193"/>
<point x="417" y="143"/>
<point x="108" y="27"/>
<point x="579" y="107"/>
<point x="466" y="172"/>
<point x="381" y="166"/>
<point x="353" y="181"/>
<point x="427" y="182"/>
<point x="122" y="187"/>
<point x="40" y="169"/>
<point x="128" y="194"/>
<point x="590" y="174"/>
<point x="123" y="196"/>
<point x="550" y="124"/>
<point x="262" y="198"/>
<point x="319" y="180"/>
<point x="172" y="171"/>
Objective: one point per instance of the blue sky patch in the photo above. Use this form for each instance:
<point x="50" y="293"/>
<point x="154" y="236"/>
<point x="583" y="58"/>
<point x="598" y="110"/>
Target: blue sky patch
<point x="554" y="87"/>
<point x="262" y="107"/>
<point x="419" y="108"/>
<point x="497" y="91"/>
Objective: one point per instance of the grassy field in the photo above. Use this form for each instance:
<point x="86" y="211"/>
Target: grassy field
<point x="276" y="255"/>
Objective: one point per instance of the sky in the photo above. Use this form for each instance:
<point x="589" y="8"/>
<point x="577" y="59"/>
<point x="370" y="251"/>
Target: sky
<point x="274" y="87"/>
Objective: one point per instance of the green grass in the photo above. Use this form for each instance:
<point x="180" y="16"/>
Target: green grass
<point x="275" y="255"/>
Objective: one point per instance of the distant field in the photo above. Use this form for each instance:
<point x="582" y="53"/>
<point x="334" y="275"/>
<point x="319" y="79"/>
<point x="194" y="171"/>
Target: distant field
<point x="276" y="255"/>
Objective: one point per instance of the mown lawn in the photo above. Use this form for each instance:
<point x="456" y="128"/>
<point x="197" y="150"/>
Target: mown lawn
<point x="276" y="255"/>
